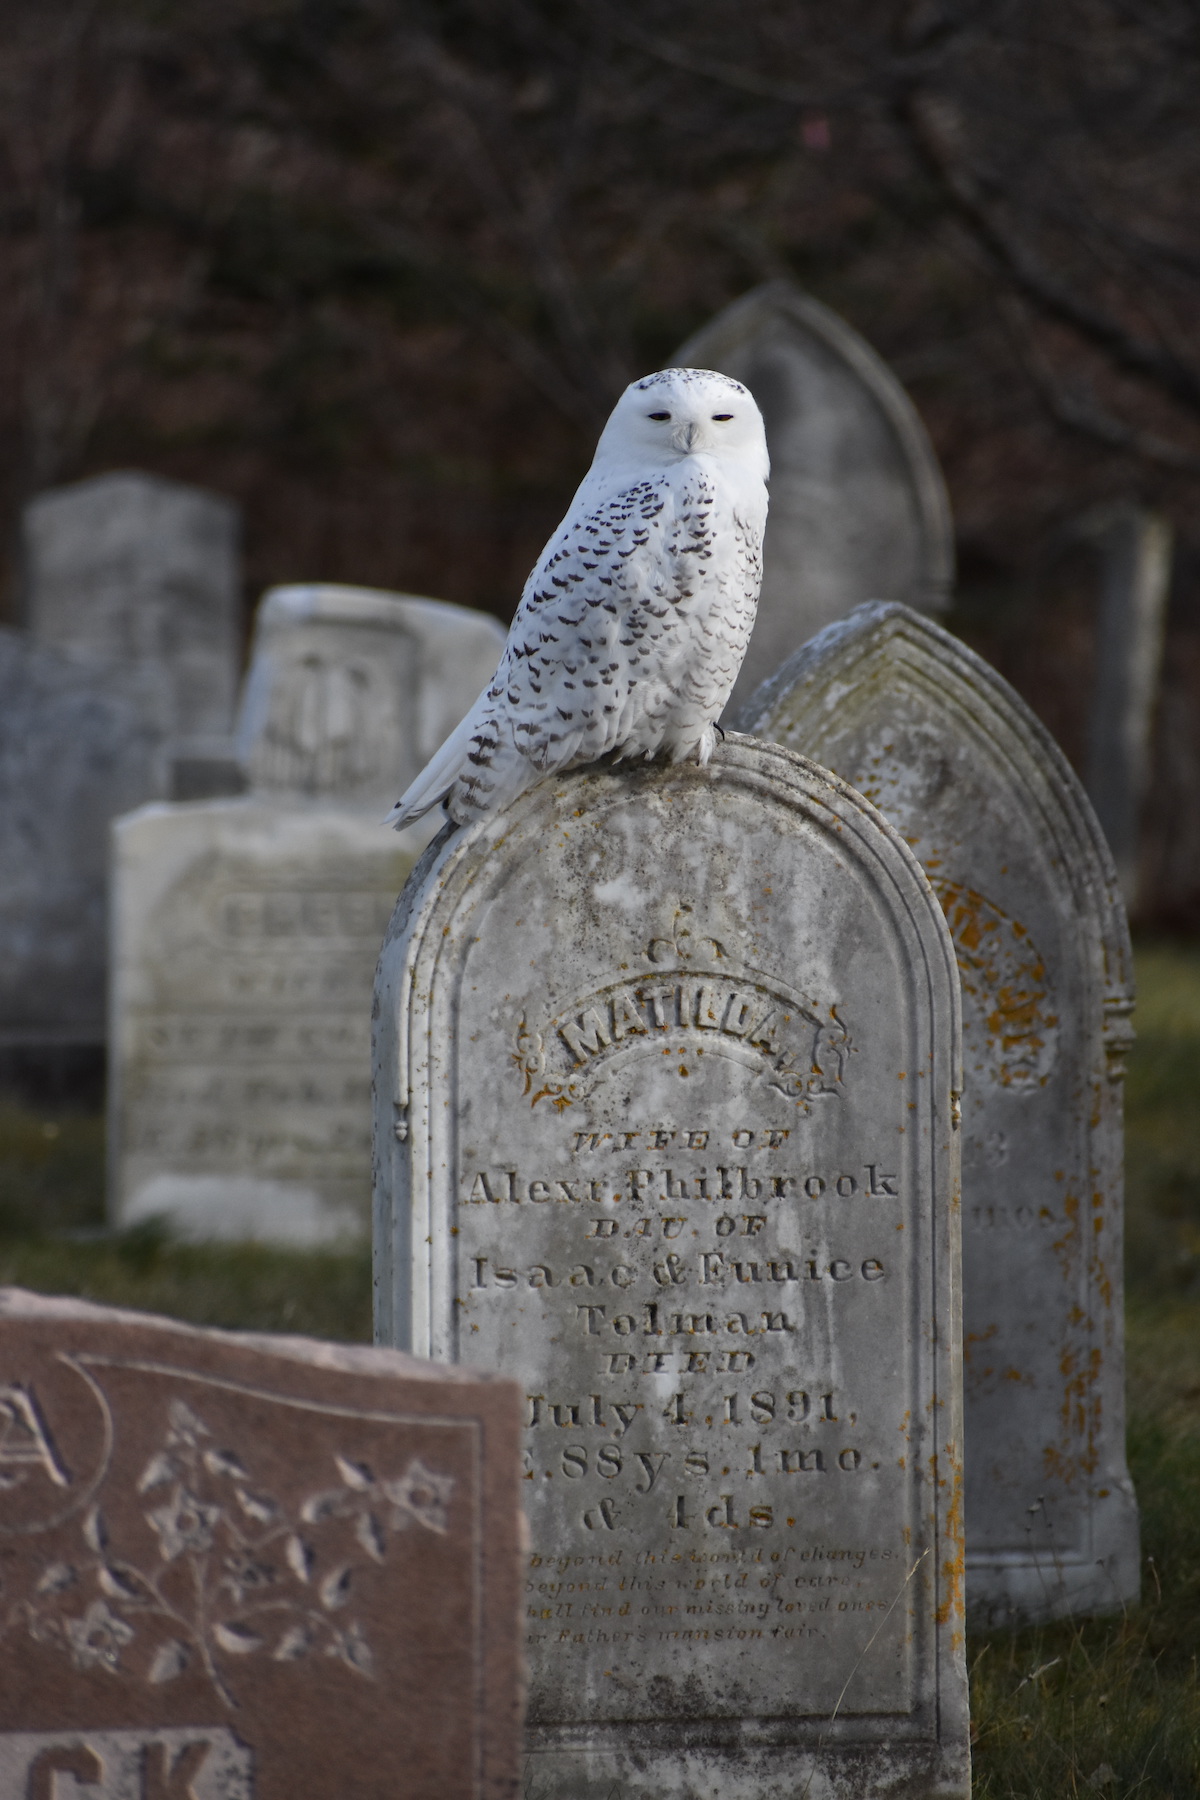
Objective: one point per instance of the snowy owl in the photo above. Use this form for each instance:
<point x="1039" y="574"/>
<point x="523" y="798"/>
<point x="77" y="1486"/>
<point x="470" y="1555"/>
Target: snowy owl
<point x="633" y="625"/>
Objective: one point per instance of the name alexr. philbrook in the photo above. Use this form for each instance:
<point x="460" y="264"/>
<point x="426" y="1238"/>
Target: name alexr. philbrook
<point x="496" y="1187"/>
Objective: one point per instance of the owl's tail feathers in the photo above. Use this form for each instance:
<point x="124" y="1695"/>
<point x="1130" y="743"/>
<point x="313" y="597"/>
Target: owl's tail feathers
<point x="477" y="770"/>
<point x="437" y="777"/>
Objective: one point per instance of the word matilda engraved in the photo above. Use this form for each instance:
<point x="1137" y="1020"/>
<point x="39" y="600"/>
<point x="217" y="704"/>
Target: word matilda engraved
<point x="743" y="1013"/>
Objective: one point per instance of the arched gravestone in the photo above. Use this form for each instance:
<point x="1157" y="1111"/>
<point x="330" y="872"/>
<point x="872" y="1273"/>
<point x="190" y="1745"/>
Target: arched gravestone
<point x="858" y="504"/>
<point x="664" y="1069"/>
<point x="975" y="783"/>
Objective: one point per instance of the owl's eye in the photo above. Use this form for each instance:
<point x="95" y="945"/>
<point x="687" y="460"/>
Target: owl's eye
<point x="658" y="415"/>
<point x="722" y="418"/>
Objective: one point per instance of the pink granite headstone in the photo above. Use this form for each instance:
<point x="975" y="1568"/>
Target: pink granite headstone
<point x="247" y="1568"/>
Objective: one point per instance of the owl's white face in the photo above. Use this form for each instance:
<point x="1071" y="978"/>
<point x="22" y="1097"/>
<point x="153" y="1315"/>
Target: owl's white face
<point x="686" y="412"/>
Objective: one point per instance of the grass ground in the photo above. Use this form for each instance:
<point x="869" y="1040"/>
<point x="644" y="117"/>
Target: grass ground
<point x="52" y="1240"/>
<point x="1104" y="1710"/>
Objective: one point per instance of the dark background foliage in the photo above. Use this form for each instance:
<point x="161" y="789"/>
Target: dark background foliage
<point x="378" y="268"/>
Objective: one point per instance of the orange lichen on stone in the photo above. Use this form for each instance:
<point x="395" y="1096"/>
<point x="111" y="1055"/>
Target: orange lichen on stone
<point x="954" y="1566"/>
<point x="1004" y="975"/>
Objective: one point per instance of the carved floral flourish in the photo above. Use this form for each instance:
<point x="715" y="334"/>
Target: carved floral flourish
<point x="238" y="1575"/>
<point x="529" y="1054"/>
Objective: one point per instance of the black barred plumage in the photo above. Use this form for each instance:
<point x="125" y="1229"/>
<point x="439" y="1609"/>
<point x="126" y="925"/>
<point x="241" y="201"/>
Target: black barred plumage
<point x="633" y="625"/>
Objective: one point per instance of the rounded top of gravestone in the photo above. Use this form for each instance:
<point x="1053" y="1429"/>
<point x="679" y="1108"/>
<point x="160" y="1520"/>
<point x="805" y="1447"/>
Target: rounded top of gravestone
<point x="352" y="689"/>
<point x="849" y="696"/>
<point x="331" y="603"/>
<point x="335" y="604"/>
<point x="769" y="710"/>
<point x="124" y="488"/>
<point x="858" y="503"/>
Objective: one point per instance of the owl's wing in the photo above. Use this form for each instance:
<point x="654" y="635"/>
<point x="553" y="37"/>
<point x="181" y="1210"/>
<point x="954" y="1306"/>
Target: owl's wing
<point x="591" y="624"/>
<point x="595" y="619"/>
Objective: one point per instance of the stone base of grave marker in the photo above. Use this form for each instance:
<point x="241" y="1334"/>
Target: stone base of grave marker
<point x="975" y="783"/>
<point x="205" y="768"/>
<point x="251" y="1568"/>
<point x="666" y="1084"/>
<point x="245" y="935"/>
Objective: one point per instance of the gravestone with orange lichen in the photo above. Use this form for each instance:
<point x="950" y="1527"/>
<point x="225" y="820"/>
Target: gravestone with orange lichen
<point x="965" y="772"/>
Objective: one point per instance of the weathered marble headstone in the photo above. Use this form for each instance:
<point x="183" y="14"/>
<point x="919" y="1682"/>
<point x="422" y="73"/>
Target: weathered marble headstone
<point x="975" y="783"/>
<point x="245" y="936"/>
<point x="251" y="1568"/>
<point x="245" y="931"/>
<point x="141" y="571"/>
<point x="858" y="504"/>
<point x="665" y="1069"/>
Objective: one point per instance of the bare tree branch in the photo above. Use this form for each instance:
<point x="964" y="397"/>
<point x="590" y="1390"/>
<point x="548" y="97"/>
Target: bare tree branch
<point x="1077" y="408"/>
<point x="933" y="129"/>
<point x="888" y="74"/>
<point x="520" y="348"/>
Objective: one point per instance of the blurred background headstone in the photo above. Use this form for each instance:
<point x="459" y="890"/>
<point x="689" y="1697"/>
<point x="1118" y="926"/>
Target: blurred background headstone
<point x="125" y="675"/>
<point x="1135" y="548"/>
<point x="350" y="690"/>
<point x="858" y="505"/>
<point x="245" y="930"/>
<point x="75" y="748"/>
<point x="144" y="573"/>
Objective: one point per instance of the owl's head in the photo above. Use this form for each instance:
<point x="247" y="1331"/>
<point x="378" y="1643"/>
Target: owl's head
<point x="686" y="412"/>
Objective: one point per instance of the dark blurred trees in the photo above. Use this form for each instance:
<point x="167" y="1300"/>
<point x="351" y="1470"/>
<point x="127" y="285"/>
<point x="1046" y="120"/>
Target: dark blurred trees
<point x="379" y="267"/>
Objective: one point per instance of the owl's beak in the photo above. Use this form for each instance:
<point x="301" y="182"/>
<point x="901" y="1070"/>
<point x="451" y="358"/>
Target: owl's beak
<point x="686" y="437"/>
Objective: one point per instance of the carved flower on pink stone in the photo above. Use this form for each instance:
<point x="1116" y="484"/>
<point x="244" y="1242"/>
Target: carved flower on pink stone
<point x="239" y="1574"/>
<point x="419" y="1495"/>
<point x="184" y="1523"/>
<point x="97" y="1639"/>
